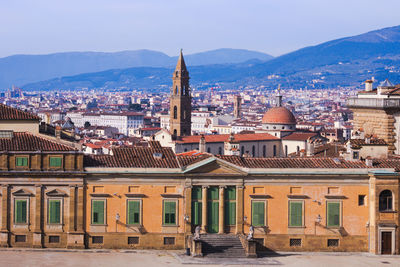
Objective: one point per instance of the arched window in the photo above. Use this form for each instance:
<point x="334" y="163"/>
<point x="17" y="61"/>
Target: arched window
<point x="385" y="200"/>
<point x="175" y="132"/>
<point x="264" y="151"/>
<point x="274" y="151"/>
<point x="242" y="151"/>
<point x="175" y="112"/>
<point x="208" y="149"/>
<point x="298" y="149"/>
<point x="253" y="151"/>
<point x="220" y="151"/>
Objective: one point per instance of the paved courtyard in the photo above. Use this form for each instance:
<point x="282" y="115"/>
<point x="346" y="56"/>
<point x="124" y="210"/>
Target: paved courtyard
<point x="87" y="258"/>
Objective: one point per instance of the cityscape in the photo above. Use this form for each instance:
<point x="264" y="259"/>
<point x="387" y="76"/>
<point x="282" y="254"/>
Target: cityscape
<point x="221" y="157"/>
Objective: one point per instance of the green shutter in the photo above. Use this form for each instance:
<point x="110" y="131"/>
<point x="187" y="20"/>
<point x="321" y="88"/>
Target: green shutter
<point x="230" y="193"/>
<point x="22" y="161"/>
<point x="196" y="213"/>
<point x="134" y="212"/>
<point x="98" y="212"/>
<point x="54" y="211"/>
<point x="55" y="161"/>
<point x="258" y="213"/>
<point x="20" y="211"/>
<point x="196" y="193"/>
<point x="169" y="212"/>
<point x="230" y="213"/>
<point x="333" y="210"/>
<point x="296" y="214"/>
<point x="213" y="193"/>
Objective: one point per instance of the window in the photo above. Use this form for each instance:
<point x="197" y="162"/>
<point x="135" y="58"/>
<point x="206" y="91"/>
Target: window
<point x="274" y="150"/>
<point x="298" y="149"/>
<point x="333" y="214"/>
<point x="333" y="242"/>
<point x="97" y="239"/>
<point x="220" y="151"/>
<point x="21" y="161"/>
<point x="361" y="200"/>
<point x="20" y="238"/>
<point x="98" y="211"/>
<point x="175" y="112"/>
<point x="295" y="213"/>
<point x="286" y="151"/>
<point x="169" y="212"/>
<point x="253" y="151"/>
<point x="54" y="239"/>
<point x="230" y="205"/>
<point x="133" y="212"/>
<point x="355" y="154"/>
<point x="133" y="240"/>
<point x="258" y="213"/>
<point x="54" y="211"/>
<point x="242" y="151"/>
<point x="264" y="151"/>
<point x="208" y="149"/>
<point x="21" y="211"/>
<point x="169" y="240"/>
<point x="295" y="242"/>
<point x="55" y="162"/>
<point x="385" y="201"/>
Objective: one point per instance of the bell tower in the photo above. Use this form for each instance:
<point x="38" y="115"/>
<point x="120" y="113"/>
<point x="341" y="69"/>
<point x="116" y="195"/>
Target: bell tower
<point x="180" y="101"/>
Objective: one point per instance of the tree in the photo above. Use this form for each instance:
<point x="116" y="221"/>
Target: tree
<point x="87" y="124"/>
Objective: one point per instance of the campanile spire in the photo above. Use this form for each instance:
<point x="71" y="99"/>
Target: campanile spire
<point x="180" y="100"/>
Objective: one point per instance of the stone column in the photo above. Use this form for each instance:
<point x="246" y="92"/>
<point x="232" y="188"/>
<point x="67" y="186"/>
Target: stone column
<point x="37" y="211"/>
<point x="188" y="209"/>
<point x="221" y="210"/>
<point x="80" y="209"/>
<point x="76" y="235"/>
<point x="204" y="209"/>
<point x="239" y="209"/>
<point x="4" y="233"/>
<point x="72" y="209"/>
<point x="372" y="206"/>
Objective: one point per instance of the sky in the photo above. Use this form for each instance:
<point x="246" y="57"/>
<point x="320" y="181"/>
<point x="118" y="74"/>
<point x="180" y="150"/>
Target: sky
<point x="275" y="27"/>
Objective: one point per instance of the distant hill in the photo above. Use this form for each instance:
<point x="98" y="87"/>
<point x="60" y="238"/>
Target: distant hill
<point x="22" y="69"/>
<point x="342" y="62"/>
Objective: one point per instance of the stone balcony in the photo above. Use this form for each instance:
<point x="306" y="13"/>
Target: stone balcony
<point x="375" y="103"/>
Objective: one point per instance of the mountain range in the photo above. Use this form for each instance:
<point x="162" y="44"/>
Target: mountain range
<point x="22" y="69"/>
<point x="342" y="62"/>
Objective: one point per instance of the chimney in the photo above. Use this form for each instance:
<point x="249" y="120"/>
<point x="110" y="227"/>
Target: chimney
<point x="310" y="149"/>
<point x="369" y="162"/>
<point x="58" y="132"/>
<point x="368" y="85"/>
<point x="202" y="144"/>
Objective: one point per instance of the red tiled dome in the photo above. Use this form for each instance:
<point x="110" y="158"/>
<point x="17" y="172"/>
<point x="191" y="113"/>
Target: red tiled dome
<point x="279" y="115"/>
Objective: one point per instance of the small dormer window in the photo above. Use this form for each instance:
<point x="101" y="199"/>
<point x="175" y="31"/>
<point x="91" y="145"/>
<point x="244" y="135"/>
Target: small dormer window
<point x="356" y="154"/>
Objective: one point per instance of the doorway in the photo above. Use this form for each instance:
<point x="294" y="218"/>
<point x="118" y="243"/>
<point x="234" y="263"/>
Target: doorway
<point x="386" y="242"/>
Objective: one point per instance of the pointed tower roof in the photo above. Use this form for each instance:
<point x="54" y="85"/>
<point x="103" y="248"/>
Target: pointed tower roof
<point x="180" y="66"/>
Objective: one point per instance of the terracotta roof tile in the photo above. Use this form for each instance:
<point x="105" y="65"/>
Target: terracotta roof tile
<point x="10" y="113"/>
<point x="219" y="138"/>
<point x="135" y="157"/>
<point x="299" y="136"/>
<point x="23" y="141"/>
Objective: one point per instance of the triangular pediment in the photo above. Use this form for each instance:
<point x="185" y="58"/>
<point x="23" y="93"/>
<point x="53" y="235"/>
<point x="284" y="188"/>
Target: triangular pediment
<point x="22" y="192"/>
<point x="56" y="193"/>
<point x="214" y="166"/>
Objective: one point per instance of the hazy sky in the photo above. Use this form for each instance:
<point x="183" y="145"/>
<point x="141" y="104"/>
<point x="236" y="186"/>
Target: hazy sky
<point x="272" y="26"/>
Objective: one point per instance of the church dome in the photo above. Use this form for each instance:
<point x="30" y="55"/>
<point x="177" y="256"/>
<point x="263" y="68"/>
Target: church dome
<point x="278" y="115"/>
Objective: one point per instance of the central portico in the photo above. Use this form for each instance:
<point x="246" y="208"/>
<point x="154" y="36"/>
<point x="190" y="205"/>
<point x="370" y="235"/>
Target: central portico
<point x="217" y="208"/>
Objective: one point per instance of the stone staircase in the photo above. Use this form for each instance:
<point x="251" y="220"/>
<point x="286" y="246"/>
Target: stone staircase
<point x="222" y="246"/>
